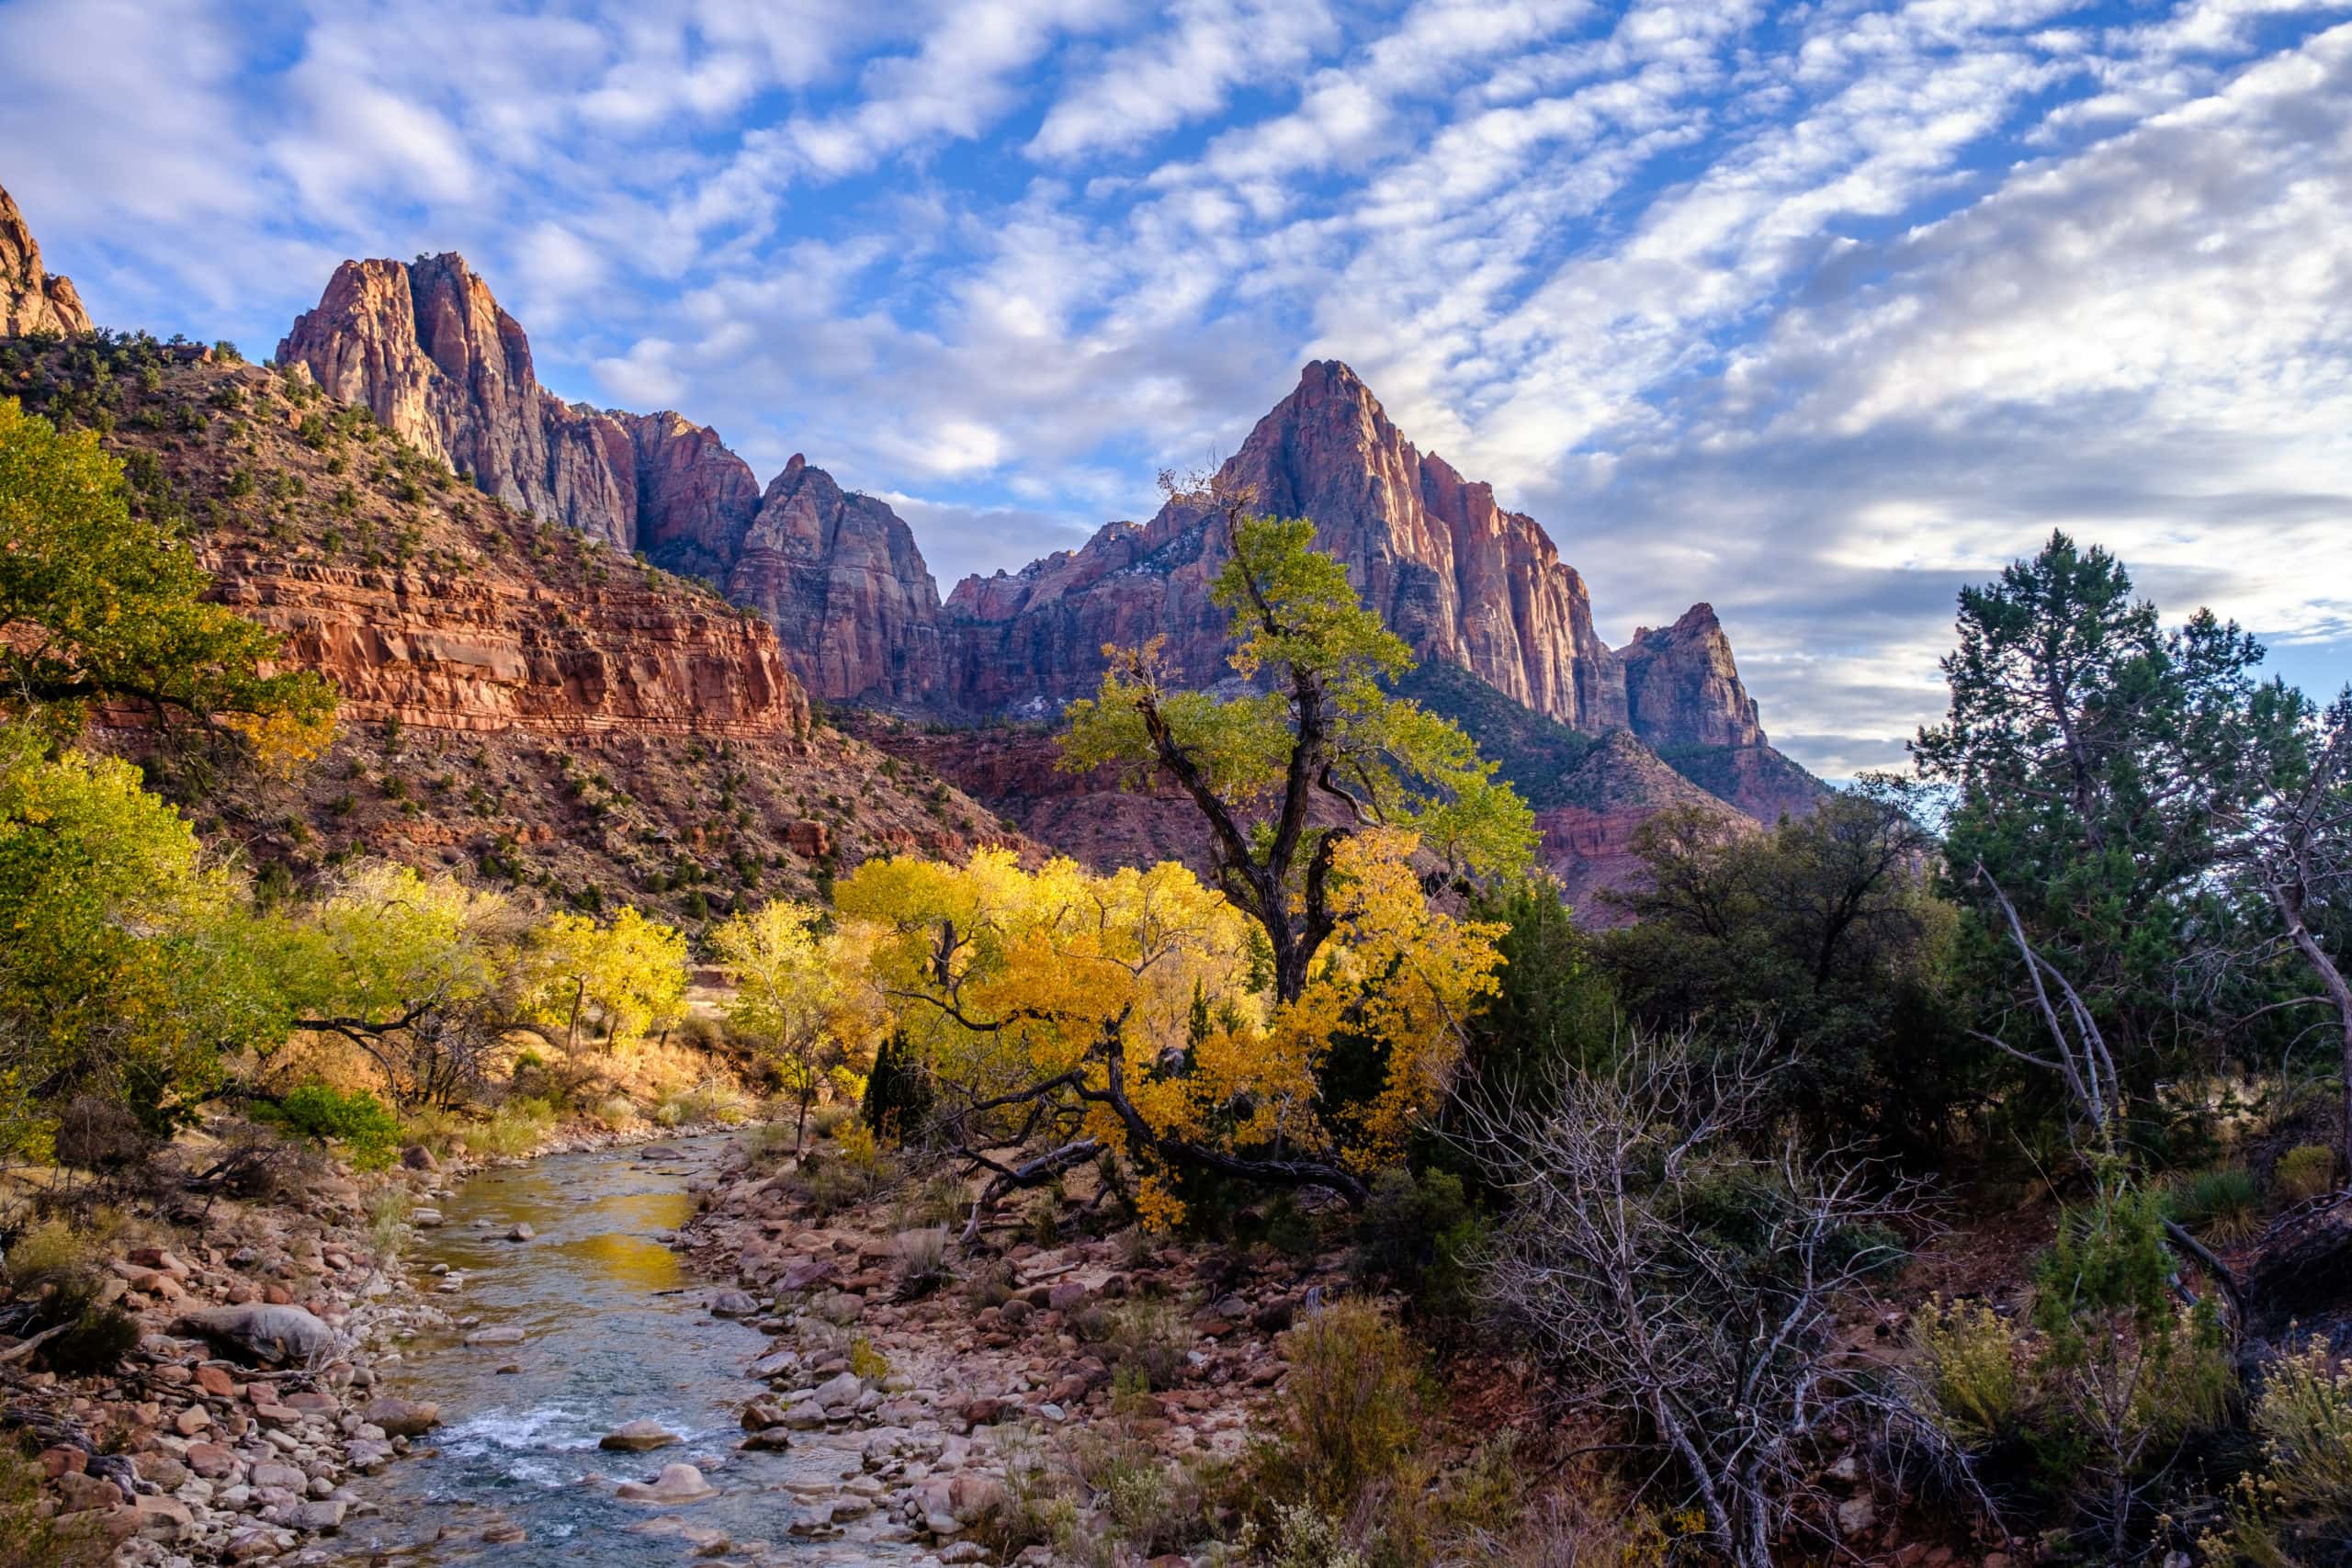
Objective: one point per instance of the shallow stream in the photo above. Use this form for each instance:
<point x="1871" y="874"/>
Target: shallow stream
<point x="615" y="1329"/>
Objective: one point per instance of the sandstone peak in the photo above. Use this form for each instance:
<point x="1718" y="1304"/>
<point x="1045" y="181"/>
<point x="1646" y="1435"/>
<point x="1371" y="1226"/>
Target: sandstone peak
<point x="32" y="299"/>
<point x="426" y="347"/>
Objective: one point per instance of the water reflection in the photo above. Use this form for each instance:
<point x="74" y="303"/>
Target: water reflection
<point x="614" y="1332"/>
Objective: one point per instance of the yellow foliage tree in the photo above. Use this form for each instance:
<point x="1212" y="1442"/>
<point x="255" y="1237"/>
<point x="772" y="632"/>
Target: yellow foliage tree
<point x="794" y="999"/>
<point x="1135" y="1013"/>
<point x="616" y="980"/>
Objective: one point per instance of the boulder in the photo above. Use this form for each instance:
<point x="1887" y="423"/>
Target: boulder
<point x="401" y="1417"/>
<point x="416" y="1156"/>
<point x="734" y="1304"/>
<point x="677" y="1483"/>
<point x="838" y="1390"/>
<point x="262" y="1332"/>
<point x="636" y="1436"/>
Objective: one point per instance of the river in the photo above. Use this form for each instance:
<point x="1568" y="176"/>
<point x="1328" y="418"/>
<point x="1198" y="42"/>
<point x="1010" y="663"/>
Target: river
<point x="615" y="1329"/>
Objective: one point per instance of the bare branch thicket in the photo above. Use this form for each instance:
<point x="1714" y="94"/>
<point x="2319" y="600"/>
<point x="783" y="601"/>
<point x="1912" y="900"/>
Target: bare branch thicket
<point x="1681" y="1265"/>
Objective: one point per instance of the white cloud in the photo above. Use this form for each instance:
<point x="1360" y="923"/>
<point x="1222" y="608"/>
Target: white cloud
<point x="1185" y="69"/>
<point x="1816" y="312"/>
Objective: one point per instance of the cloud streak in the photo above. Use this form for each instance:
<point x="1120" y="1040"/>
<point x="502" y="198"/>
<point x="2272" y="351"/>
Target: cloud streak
<point x="1816" y="312"/>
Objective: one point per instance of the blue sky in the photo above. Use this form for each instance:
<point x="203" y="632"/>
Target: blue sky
<point x="1814" y="312"/>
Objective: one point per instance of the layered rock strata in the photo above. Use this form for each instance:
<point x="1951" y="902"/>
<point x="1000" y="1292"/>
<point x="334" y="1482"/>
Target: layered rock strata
<point x="427" y="347"/>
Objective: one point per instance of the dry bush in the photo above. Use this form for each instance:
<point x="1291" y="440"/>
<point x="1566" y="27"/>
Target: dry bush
<point x="1680" y="1264"/>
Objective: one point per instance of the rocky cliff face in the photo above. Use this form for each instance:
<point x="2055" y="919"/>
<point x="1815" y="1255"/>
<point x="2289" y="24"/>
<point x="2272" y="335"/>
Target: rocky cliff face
<point x="1472" y="586"/>
<point x="481" y="652"/>
<point x="1682" y="689"/>
<point x="32" y="299"/>
<point x="841" y="579"/>
<point x="523" y="701"/>
<point x="1466" y="581"/>
<point x="427" y="347"/>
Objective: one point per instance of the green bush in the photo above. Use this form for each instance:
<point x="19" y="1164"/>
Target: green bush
<point x="356" y="1119"/>
<point x="1420" y="1234"/>
<point x="1351" y="1410"/>
<point x="2304" y="1171"/>
<point x="2223" y="1203"/>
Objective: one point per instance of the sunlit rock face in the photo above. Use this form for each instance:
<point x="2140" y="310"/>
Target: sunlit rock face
<point x="32" y="298"/>
<point x="427" y="347"/>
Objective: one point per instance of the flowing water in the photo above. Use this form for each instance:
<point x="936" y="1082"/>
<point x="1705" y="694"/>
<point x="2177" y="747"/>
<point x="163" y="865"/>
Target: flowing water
<point x="615" y="1330"/>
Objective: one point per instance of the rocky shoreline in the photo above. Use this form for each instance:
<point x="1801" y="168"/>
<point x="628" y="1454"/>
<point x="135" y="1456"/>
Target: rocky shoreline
<point x="234" y="1430"/>
<point x="957" y="1393"/>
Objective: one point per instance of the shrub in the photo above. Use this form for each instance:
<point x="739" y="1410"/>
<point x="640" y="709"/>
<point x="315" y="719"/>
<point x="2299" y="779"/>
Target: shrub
<point x="517" y="1128"/>
<point x="1969" y="1358"/>
<point x="48" y="1252"/>
<point x="1352" y="1409"/>
<point x="1146" y="1335"/>
<point x="866" y="1362"/>
<point x="2304" y="1171"/>
<point x="923" y="1261"/>
<point x="388" y="1222"/>
<point x="2223" y="1202"/>
<point x="97" y="1133"/>
<point x="991" y="1285"/>
<point x="99" y="1338"/>
<point x="2305" y="1419"/>
<point x="1418" y="1234"/>
<point x="357" y="1120"/>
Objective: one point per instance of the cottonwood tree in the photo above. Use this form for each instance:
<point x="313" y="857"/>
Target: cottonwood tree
<point x="795" y="1000"/>
<point x="1679" y="1265"/>
<point x="1283" y="776"/>
<point x="425" y="976"/>
<point x="612" y="979"/>
<point x="127" y="968"/>
<point x="102" y="609"/>
<point x="1133" y="1013"/>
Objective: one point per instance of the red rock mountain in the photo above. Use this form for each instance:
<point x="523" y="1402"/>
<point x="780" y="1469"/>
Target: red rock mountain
<point x="32" y="299"/>
<point x="1466" y="582"/>
<point x="1471" y="585"/>
<point x="425" y="346"/>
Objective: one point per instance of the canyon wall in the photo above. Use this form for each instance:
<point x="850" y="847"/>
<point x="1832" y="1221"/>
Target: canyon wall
<point x="427" y="347"/>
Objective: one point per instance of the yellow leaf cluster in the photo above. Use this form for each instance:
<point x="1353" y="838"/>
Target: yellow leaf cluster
<point x="1147" y="980"/>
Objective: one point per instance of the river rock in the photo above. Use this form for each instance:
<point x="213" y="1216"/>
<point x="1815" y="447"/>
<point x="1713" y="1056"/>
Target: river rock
<point x="636" y="1436"/>
<point x="521" y="1233"/>
<point x="504" y="1333"/>
<point x="837" y="1391"/>
<point x="416" y="1156"/>
<point x="768" y="1439"/>
<point x="401" y="1417"/>
<point x="734" y="1304"/>
<point x="676" y="1484"/>
<point x="271" y="1333"/>
<point x="762" y="1413"/>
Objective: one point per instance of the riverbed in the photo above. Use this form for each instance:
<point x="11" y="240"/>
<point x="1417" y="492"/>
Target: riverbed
<point x="613" y="1329"/>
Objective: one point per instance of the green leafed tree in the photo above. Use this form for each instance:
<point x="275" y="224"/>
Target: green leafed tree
<point x="101" y="609"/>
<point x="127" y="967"/>
<point x="2088" y="750"/>
<point x="1284" y="773"/>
